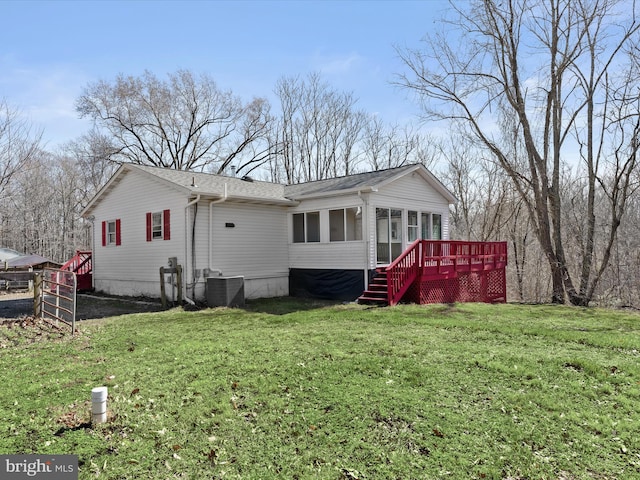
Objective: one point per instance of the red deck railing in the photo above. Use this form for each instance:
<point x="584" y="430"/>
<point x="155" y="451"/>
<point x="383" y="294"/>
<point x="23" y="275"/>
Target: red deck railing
<point x="81" y="264"/>
<point x="441" y="260"/>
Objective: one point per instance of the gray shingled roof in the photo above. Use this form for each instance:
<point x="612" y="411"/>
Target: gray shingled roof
<point x="350" y="182"/>
<point x="254" y="191"/>
<point x="213" y="185"/>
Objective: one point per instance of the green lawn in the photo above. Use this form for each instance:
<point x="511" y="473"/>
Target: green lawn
<point x="295" y="390"/>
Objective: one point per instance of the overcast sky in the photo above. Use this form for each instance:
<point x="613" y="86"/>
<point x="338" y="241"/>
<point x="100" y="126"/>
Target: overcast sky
<point x="50" y="50"/>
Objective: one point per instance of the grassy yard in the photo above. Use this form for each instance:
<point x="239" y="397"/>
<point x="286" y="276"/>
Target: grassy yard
<point x="294" y="390"/>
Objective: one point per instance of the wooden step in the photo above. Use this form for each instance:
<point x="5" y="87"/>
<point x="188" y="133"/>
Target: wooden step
<point x="372" y="300"/>
<point x="376" y="293"/>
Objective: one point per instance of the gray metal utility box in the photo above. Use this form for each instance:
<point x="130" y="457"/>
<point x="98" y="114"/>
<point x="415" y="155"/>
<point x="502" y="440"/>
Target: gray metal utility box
<point x="225" y="291"/>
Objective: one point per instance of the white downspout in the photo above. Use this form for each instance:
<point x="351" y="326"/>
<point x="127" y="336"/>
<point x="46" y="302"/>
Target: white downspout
<point x="365" y="228"/>
<point x="212" y="202"/>
<point x="186" y="248"/>
<point x="92" y="219"/>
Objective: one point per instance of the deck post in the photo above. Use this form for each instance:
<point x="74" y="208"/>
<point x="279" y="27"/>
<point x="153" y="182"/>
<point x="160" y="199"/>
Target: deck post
<point x="37" y="294"/>
<point x="163" y="295"/>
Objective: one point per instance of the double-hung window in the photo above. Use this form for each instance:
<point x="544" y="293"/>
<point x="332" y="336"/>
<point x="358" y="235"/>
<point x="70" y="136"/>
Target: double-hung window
<point x="111" y="232"/>
<point x="156" y="225"/>
<point x="159" y="225"/>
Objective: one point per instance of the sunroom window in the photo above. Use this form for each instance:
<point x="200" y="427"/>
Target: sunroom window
<point x="412" y="226"/>
<point x="345" y="224"/>
<point x="306" y="227"/>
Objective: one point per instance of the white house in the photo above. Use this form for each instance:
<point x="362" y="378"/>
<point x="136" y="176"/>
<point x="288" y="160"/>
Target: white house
<point x="320" y="238"/>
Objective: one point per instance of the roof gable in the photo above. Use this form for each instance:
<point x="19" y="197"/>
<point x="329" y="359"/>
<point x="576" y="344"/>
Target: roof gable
<point x="194" y="184"/>
<point x="369" y="181"/>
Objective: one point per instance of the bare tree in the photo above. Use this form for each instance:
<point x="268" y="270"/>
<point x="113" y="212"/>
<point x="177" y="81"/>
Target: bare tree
<point x="95" y="155"/>
<point x="547" y="65"/>
<point x="19" y="144"/>
<point x="44" y="206"/>
<point x="318" y="130"/>
<point x="389" y="146"/>
<point x="484" y="202"/>
<point x="33" y="223"/>
<point x="185" y="122"/>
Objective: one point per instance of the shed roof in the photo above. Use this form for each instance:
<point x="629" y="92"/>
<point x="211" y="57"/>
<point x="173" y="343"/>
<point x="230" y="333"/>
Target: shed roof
<point x="8" y="253"/>
<point x="29" y="261"/>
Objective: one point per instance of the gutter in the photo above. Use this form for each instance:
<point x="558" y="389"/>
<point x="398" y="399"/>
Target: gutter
<point x="333" y="193"/>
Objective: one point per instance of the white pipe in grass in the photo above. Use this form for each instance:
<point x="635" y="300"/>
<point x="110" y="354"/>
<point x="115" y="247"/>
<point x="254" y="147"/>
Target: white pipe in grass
<point x="99" y="405"/>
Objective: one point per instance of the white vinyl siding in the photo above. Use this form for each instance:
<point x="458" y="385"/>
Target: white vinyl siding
<point x="132" y="269"/>
<point x="256" y="245"/>
<point x="412" y="193"/>
<point x="241" y="239"/>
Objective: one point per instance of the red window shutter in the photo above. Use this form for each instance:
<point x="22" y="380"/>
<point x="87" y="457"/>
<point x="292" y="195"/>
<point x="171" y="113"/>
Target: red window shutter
<point x="166" y="220"/>
<point x="118" y="236"/>
<point x="104" y="234"/>
<point x="148" y="226"/>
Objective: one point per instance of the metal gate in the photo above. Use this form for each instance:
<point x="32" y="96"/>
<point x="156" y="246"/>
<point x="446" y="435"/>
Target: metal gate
<point x="55" y="296"/>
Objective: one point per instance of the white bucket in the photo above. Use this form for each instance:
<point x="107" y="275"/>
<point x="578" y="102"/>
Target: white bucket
<point x="99" y="405"/>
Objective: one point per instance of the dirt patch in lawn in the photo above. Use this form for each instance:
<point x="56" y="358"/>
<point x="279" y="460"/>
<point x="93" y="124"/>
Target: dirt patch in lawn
<point x="17" y="305"/>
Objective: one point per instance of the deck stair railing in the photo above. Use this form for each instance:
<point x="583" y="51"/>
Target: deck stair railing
<point x="82" y="265"/>
<point x="403" y="272"/>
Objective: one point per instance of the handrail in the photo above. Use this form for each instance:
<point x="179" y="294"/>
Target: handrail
<point x="402" y="272"/>
<point x="442" y="257"/>
<point x="77" y="262"/>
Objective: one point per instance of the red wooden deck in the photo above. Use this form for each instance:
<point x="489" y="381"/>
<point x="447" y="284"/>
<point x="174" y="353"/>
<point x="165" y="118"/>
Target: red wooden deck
<point x="443" y="271"/>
